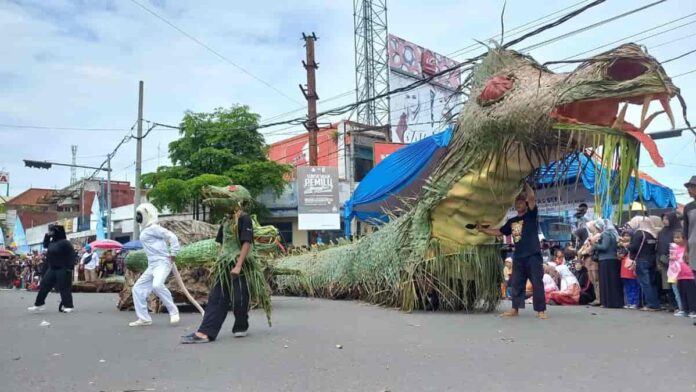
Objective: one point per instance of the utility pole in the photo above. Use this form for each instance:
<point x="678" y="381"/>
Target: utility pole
<point x="108" y="196"/>
<point x="73" y="170"/>
<point x="138" y="161"/>
<point x="310" y="93"/>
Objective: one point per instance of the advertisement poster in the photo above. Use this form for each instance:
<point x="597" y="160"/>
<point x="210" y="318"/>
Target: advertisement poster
<point x="318" y="203"/>
<point x="425" y="110"/>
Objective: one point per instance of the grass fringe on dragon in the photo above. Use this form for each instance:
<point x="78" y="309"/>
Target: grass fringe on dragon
<point x="519" y="115"/>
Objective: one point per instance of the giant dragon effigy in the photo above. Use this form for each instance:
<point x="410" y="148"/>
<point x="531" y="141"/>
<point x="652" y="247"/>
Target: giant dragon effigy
<point x="519" y="115"/>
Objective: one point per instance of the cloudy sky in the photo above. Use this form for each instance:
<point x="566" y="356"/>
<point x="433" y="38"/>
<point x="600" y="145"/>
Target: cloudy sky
<point x="76" y="64"/>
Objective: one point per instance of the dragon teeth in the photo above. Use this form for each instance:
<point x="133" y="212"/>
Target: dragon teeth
<point x="646" y="105"/>
<point x="618" y="124"/>
<point x="664" y="100"/>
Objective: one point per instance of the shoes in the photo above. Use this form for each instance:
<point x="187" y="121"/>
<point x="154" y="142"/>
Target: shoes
<point x="241" y="334"/>
<point x="36" y="309"/>
<point x="647" y="309"/>
<point x="140" y="323"/>
<point x="692" y="315"/>
<point x="680" y="313"/>
<point x="174" y="319"/>
<point x="631" y="307"/>
<point x="68" y="310"/>
<point x="194" y="339"/>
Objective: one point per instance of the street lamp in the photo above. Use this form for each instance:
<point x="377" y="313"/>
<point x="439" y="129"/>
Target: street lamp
<point x="47" y="165"/>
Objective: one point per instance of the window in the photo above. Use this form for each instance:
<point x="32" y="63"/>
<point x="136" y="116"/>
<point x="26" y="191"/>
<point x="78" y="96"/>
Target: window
<point x="363" y="161"/>
<point x="285" y="229"/>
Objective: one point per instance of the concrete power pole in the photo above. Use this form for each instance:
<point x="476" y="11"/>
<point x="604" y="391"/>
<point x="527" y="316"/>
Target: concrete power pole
<point x="310" y="93"/>
<point x="73" y="170"/>
<point x="108" y="197"/>
<point x="138" y="161"/>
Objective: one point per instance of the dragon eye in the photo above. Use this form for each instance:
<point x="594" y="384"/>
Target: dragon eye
<point x="625" y="69"/>
<point x="495" y="89"/>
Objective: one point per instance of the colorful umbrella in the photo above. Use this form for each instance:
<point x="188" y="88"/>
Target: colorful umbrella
<point x="105" y="244"/>
<point x="6" y="253"/>
<point x="132" y="245"/>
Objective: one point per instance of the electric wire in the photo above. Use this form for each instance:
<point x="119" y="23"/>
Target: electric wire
<point x="213" y="51"/>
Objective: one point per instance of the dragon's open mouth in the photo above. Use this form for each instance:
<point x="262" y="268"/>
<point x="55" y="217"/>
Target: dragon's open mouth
<point x="606" y="112"/>
<point x="611" y="112"/>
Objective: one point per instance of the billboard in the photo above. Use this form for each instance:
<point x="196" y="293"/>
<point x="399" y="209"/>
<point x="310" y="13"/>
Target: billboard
<point x="383" y="150"/>
<point x="419" y="113"/>
<point x="318" y="203"/>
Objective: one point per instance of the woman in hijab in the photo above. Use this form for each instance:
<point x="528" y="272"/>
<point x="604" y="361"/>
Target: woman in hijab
<point x="591" y="263"/>
<point x="611" y="288"/>
<point x="670" y="223"/>
<point x="570" y="288"/>
<point x="643" y="249"/>
<point x="587" y="294"/>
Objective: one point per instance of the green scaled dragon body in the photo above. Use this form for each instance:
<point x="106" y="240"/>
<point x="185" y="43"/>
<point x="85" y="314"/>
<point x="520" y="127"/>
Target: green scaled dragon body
<point x="519" y="115"/>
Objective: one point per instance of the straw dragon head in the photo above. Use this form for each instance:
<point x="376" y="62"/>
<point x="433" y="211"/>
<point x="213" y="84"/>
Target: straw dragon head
<point x="228" y="197"/>
<point x="521" y="115"/>
<point x="513" y="94"/>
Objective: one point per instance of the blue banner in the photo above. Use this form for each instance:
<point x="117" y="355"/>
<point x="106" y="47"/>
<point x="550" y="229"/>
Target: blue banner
<point x="20" y="238"/>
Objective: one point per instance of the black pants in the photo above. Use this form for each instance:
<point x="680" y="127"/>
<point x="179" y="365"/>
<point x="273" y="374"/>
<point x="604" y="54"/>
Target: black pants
<point x="523" y="268"/>
<point x="61" y="278"/>
<point x="219" y="300"/>
<point x="687" y="292"/>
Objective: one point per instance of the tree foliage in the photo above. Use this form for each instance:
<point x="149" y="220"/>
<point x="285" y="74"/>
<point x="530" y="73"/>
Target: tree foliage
<point x="218" y="148"/>
<point x="260" y="175"/>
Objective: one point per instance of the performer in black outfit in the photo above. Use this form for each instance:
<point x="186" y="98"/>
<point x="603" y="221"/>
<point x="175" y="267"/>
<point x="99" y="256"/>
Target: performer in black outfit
<point x="231" y="237"/>
<point x="527" y="262"/>
<point x="60" y="260"/>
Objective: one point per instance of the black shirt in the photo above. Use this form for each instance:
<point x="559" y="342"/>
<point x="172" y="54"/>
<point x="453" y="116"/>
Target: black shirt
<point x="648" y="251"/>
<point x="525" y="233"/>
<point x="61" y="254"/>
<point x="245" y="230"/>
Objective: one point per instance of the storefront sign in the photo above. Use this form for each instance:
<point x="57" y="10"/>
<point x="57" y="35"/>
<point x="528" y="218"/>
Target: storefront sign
<point x="318" y="203"/>
<point x="383" y="150"/>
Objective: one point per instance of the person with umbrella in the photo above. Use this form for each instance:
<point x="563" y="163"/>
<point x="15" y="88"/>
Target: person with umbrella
<point x="160" y="246"/>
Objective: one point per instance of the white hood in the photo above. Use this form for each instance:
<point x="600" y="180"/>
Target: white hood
<point x="149" y="213"/>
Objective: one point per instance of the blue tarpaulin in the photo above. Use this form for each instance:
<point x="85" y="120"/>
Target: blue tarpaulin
<point x="392" y="176"/>
<point x="568" y="168"/>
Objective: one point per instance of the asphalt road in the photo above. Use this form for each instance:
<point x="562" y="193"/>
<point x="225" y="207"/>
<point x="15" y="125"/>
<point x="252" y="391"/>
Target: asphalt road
<point x="577" y="349"/>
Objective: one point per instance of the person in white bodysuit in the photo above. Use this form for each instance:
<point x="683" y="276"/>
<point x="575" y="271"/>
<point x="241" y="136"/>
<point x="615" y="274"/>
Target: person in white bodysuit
<point x="160" y="246"/>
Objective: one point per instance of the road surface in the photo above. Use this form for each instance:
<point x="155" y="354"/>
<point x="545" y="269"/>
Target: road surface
<point x="577" y="349"/>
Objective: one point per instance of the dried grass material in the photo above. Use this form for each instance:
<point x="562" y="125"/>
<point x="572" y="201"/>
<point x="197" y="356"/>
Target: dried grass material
<point x="493" y="149"/>
<point x="378" y="270"/>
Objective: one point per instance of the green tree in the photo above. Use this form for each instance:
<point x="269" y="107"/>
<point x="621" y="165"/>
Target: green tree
<point x="260" y="175"/>
<point x="171" y="193"/>
<point x="218" y="148"/>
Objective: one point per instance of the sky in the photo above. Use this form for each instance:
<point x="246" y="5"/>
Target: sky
<point x="77" y="64"/>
